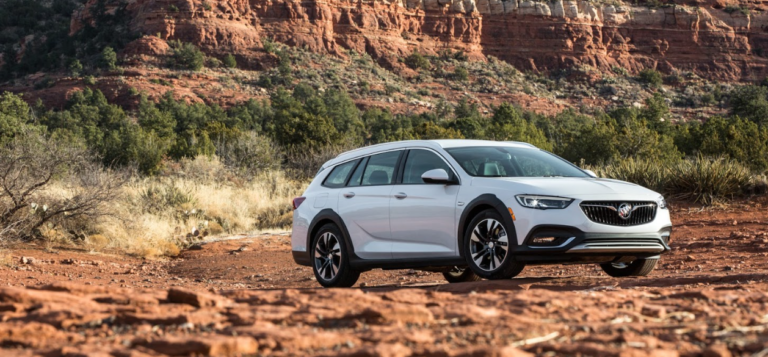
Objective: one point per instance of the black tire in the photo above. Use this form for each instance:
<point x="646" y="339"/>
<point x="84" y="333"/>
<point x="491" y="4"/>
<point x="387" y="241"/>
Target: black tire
<point x="481" y="248"/>
<point x="461" y="275"/>
<point x="639" y="267"/>
<point x="330" y="259"/>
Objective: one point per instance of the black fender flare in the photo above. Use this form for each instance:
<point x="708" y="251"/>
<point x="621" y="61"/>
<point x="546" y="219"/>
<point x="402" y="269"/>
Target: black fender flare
<point x="323" y="217"/>
<point x="476" y="206"/>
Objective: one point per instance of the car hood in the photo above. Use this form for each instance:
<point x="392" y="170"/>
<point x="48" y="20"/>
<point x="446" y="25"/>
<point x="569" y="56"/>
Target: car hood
<point x="573" y="187"/>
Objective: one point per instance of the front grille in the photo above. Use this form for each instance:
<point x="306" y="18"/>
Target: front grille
<point x="607" y="212"/>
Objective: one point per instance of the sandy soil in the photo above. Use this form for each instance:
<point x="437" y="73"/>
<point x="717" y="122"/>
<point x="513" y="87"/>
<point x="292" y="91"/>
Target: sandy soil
<point x="245" y="296"/>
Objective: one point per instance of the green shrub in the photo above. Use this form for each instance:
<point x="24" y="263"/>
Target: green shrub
<point x="302" y="163"/>
<point x="448" y="54"/>
<point x="158" y="198"/>
<point x="698" y="179"/>
<point x="647" y="173"/>
<point x="269" y="45"/>
<point x="75" y="68"/>
<point x="249" y="154"/>
<point x="651" y="77"/>
<point x="750" y="102"/>
<point x="186" y="56"/>
<point x="213" y="62"/>
<point x="707" y="99"/>
<point x="275" y="217"/>
<point x="417" y="61"/>
<point x="284" y="67"/>
<point x="733" y="8"/>
<point x="14" y="116"/>
<point x="109" y="59"/>
<point x="461" y="74"/>
<point x="508" y="123"/>
<point x="739" y="139"/>
<point x="46" y="82"/>
<point x="173" y="8"/>
<point x="230" y="61"/>
<point x="265" y="82"/>
<point x="707" y="180"/>
<point x="161" y="82"/>
<point x="619" y="70"/>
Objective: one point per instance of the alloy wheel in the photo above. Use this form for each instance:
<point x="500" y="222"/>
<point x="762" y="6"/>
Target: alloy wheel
<point x="620" y="265"/>
<point x="327" y="256"/>
<point x="489" y="244"/>
<point x="456" y="271"/>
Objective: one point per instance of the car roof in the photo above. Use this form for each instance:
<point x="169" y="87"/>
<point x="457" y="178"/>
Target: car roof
<point x="434" y="144"/>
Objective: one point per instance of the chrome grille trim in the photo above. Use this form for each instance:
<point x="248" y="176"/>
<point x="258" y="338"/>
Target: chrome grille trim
<point x="606" y="212"/>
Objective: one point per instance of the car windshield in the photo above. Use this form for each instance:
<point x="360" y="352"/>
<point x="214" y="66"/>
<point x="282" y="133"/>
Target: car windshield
<point x="503" y="161"/>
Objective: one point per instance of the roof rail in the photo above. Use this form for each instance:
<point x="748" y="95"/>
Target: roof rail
<point x="522" y="143"/>
<point x="358" y="149"/>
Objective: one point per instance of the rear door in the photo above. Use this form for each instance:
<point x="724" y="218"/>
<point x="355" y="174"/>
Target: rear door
<point x="364" y="205"/>
<point x="423" y="216"/>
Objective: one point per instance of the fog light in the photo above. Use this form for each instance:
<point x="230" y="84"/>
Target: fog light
<point x="544" y="240"/>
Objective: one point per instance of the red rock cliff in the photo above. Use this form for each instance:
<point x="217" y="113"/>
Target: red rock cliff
<point x="711" y="42"/>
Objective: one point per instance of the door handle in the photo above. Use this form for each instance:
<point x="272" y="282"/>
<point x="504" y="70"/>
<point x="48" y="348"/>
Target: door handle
<point x="349" y="194"/>
<point x="400" y="195"/>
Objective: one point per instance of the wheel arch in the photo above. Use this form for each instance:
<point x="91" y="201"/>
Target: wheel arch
<point x="322" y="218"/>
<point x="479" y="204"/>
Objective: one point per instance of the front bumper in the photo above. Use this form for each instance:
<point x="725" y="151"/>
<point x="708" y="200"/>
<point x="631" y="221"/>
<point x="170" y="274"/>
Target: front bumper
<point x="571" y="245"/>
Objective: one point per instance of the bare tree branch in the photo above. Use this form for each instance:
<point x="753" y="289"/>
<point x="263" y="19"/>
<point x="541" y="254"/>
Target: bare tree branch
<point x="31" y="165"/>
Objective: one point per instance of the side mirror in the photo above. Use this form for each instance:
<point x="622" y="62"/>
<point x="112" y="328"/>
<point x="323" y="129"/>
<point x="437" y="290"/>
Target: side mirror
<point x="437" y="176"/>
<point x="591" y="173"/>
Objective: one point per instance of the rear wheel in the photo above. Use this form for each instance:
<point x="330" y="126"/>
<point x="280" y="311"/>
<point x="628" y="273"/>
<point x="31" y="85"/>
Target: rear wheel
<point x="461" y="274"/>
<point x="639" y="267"/>
<point x="330" y="259"/>
<point x="487" y="247"/>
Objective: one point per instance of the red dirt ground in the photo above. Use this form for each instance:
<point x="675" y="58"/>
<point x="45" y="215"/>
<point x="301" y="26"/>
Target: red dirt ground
<point x="245" y="296"/>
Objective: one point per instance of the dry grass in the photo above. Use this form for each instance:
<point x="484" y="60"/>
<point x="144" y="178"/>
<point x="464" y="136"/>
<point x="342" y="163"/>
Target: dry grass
<point x="199" y="198"/>
<point x="5" y="258"/>
<point x="191" y="200"/>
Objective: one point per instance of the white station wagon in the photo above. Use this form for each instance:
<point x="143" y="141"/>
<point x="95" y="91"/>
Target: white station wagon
<point x="471" y="209"/>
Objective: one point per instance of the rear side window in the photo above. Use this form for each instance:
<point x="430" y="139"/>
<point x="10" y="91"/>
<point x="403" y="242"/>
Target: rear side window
<point x="338" y="177"/>
<point x="357" y="176"/>
<point x="381" y="169"/>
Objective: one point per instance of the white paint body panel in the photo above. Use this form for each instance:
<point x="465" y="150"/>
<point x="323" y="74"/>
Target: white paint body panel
<point x="366" y="216"/>
<point x="423" y="223"/>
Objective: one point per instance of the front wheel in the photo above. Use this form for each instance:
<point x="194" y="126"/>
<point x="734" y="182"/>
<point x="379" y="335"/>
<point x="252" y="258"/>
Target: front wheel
<point x="639" y="267"/>
<point x="461" y="275"/>
<point x="487" y="247"/>
<point x="330" y="259"/>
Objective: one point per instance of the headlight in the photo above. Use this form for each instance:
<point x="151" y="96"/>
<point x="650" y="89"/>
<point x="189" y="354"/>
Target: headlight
<point x="543" y="202"/>
<point x="661" y="202"/>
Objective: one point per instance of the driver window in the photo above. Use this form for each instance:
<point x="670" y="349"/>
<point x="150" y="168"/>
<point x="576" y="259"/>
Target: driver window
<point x="419" y="162"/>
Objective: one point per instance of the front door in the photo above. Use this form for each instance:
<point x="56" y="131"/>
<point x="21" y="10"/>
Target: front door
<point x="423" y="216"/>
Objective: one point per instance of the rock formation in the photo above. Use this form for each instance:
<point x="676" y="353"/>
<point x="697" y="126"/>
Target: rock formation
<point x="711" y="42"/>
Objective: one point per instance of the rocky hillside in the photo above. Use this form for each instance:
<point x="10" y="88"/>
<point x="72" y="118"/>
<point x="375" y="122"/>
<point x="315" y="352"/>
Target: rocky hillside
<point x="408" y="56"/>
<point x="710" y="39"/>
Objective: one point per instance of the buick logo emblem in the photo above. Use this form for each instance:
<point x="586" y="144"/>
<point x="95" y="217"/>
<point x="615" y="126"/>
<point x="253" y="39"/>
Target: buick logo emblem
<point x="625" y="210"/>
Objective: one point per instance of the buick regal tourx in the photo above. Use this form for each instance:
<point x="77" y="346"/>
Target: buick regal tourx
<point x="471" y="209"/>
